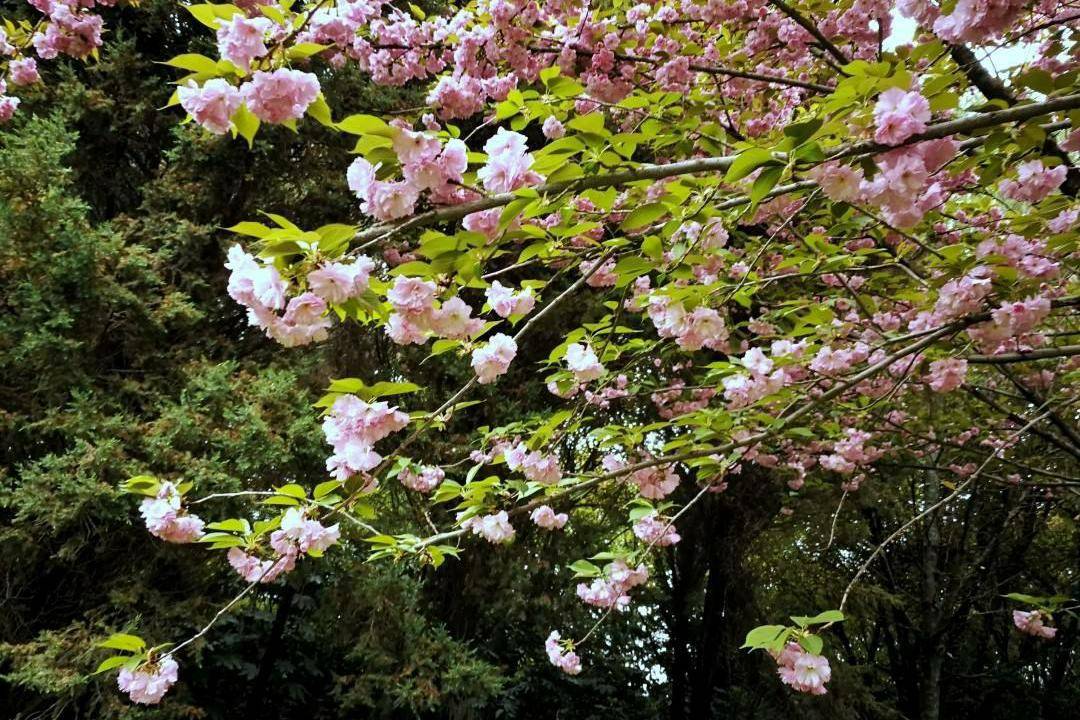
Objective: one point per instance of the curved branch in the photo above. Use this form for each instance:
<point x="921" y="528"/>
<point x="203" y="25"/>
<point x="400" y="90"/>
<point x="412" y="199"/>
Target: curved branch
<point x="721" y="163"/>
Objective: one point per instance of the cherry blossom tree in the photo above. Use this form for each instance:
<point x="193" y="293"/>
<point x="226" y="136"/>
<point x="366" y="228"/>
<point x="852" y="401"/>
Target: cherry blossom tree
<point x="817" y="254"/>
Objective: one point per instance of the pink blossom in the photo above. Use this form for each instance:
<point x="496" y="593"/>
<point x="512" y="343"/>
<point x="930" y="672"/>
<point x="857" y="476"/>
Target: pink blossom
<point x="838" y="182"/>
<point x="803" y="671"/>
<point x="454" y="320"/>
<point x="654" y="531"/>
<point x="148" y="683"/>
<point x="212" y="105"/>
<point x="582" y="361"/>
<point x="495" y="528"/>
<point x="165" y="518"/>
<point x="425" y="481"/>
<point x="947" y="375"/>
<point x="546" y="518"/>
<point x="8" y="106"/>
<point x="252" y="284"/>
<point x="485" y="222"/>
<point x="240" y="40"/>
<point x="69" y="32"/>
<point x="1032" y="622"/>
<point x="24" y="71"/>
<point x="612" y="590"/>
<point x="252" y="569"/>
<point x="505" y="302"/>
<point x="337" y="282"/>
<point x="604" y="276"/>
<point x="565" y="660"/>
<point x="411" y="296"/>
<point x="1033" y="181"/>
<point x="352" y="427"/>
<point x="508" y="163"/>
<point x="552" y="128"/>
<point x="281" y="95"/>
<point x="899" y="115"/>
<point x="493" y="359"/>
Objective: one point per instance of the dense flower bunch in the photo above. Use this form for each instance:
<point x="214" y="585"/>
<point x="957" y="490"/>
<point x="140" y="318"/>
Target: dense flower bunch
<point x="791" y="243"/>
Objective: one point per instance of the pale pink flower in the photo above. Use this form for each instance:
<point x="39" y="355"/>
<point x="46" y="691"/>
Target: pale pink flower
<point x="337" y="282"/>
<point x="546" y="518"/>
<point x="211" y="105"/>
<point x="505" y="302"/>
<point x="425" y="481"/>
<point x="1033" y="181"/>
<point x="148" y="683"/>
<point x="1032" y="622"/>
<point x="899" y="115"/>
<point x="454" y="320"/>
<point x="947" y="375"/>
<point x="281" y="95"/>
<point x="240" y="39"/>
<point x="495" y="528"/>
<point x="655" y="531"/>
<point x="24" y="71"/>
<point x="493" y="359"/>
<point x="582" y="361"/>
<point x="552" y="128"/>
<point x="565" y="660"/>
<point x="508" y="165"/>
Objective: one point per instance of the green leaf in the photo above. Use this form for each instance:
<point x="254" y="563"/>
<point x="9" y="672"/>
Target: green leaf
<point x="245" y="124"/>
<point x="320" y="111"/>
<point x="123" y="641"/>
<point x="812" y="644"/>
<point x="585" y="569"/>
<point x="765" y="182"/>
<point x="292" y="490"/>
<point x="305" y="49"/>
<point x="194" y="62"/>
<point x="747" y="162"/>
<point x="254" y="229"/>
<point x="763" y="636"/>
<point x="111" y="663"/>
<point x="365" y="125"/>
<point x="325" y="488"/>
<point x="644" y="215"/>
<point x="829" y="616"/>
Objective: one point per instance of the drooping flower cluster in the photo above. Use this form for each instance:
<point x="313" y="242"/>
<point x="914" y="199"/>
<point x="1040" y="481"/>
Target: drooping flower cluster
<point x="899" y="115"/>
<point x="1033" y="622"/>
<point x="253" y="569"/>
<point x="701" y="327"/>
<point x="654" y="482"/>
<point x="548" y="519"/>
<point x="495" y="528"/>
<point x="946" y="375"/>
<point x="148" y="683"/>
<point x="352" y="427"/>
<point x="1033" y="181"/>
<point x="166" y="519"/>
<point x="493" y="358"/>
<point x="582" y="361"/>
<point x="566" y="660"/>
<point x="654" y="530"/>
<point x="803" y="671"/>
<point x="424" y="481"/>
<point x="505" y="302"/>
<point x="305" y="534"/>
<point x="612" y="590"/>
<point x="535" y="465"/>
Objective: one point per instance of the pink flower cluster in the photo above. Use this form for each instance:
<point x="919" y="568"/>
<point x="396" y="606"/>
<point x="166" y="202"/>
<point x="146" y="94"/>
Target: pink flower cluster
<point x="899" y="115"/>
<point x="803" y="671"/>
<point x="424" y="481"/>
<point x="148" y="683"/>
<point x="71" y="29"/>
<point x="1033" y="181"/>
<point x="612" y="590"/>
<point x="1033" y="622"/>
<point x="653" y="530"/>
<point x="493" y="358"/>
<point x="548" y="519"/>
<point x="1009" y="323"/>
<point x="414" y="314"/>
<point x="241" y="40"/>
<point x="337" y="282"/>
<point x="947" y="375"/>
<point x="353" y="427"/>
<point x="252" y="569"/>
<point x="261" y="289"/>
<point x="280" y="96"/>
<point x="702" y="327"/>
<point x="904" y="187"/>
<point x="211" y="105"/>
<point x="654" y="482"/>
<point x="582" y="361"/>
<point x="742" y="389"/>
<point x="1029" y="257"/>
<point x="508" y="164"/>
<point x="535" y="466"/>
<point x="165" y="519"/>
<point x="851" y="452"/>
<point x="505" y="302"/>
<point x="494" y="528"/>
<point x="302" y="534"/>
<point x="566" y="660"/>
